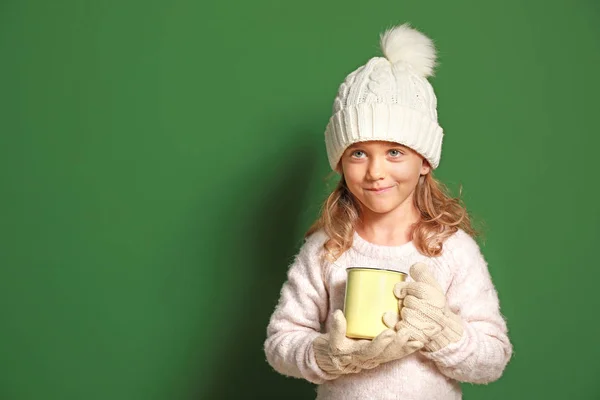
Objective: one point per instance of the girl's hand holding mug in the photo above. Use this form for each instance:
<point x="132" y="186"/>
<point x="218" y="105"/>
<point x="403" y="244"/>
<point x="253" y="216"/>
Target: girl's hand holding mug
<point x="337" y="354"/>
<point x="424" y="311"/>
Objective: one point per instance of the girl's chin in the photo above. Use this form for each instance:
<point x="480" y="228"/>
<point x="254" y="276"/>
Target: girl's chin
<point x="379" y="209"/>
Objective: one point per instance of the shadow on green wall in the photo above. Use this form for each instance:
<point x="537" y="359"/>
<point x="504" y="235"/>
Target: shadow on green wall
<point x="244" y="373"/>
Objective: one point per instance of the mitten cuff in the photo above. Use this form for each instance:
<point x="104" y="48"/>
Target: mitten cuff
<point x="451" y="333"/>
<point x="324" y="361"/>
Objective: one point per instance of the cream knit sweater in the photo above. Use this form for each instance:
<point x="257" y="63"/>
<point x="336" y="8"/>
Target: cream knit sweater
<point x="314" y="290"/>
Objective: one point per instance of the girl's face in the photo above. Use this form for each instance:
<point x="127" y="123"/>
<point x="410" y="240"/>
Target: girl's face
<point x="383" y="175"/>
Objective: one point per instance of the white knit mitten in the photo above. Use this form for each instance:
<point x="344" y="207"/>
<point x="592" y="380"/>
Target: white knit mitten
<point x="425" y="312"/>
<point x="338" y="355"/>
<point x="403" y="344"/>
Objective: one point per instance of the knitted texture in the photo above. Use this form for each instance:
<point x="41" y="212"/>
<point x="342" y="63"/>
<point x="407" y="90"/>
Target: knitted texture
<point x="337" y="354"/>
<point x="425" y="312"/>
<point x="389" y="98"/>
<point x="401" y="346"/>
<point x="314" y="289"/>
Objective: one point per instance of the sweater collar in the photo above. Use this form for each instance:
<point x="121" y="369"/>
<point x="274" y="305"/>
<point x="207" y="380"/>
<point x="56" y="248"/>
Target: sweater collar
<point x="366" y="248"/>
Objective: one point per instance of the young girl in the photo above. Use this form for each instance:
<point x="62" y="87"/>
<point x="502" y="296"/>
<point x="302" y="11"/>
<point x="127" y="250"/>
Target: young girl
<point x="389" y="211"/>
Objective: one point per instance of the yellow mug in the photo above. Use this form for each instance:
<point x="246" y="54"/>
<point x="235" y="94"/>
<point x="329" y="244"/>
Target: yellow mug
<point x="369" y="295"/>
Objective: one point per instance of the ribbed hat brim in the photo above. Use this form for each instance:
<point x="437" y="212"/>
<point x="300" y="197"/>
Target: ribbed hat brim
<point x="387" y="122"/>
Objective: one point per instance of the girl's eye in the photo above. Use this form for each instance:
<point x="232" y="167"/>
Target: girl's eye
<point x="396" y="153"/>
<point x="356" y="152"/>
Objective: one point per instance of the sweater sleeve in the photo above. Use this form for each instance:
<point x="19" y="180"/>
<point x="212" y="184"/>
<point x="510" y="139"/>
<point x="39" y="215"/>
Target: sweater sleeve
<point x="296" y="321"/>
<point x="483" y="351"/>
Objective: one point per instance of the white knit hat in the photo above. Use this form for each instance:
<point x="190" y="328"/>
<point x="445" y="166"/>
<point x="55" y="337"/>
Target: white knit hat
<point x="389" y="98"/>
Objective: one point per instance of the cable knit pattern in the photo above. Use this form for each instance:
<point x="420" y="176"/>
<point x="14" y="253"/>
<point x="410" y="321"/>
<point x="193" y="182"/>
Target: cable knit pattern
<point x="389" y="98"/>
<point x="314" y="290"/>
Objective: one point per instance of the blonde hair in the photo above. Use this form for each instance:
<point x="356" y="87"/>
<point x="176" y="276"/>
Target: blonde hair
<point x="441" y="215"/>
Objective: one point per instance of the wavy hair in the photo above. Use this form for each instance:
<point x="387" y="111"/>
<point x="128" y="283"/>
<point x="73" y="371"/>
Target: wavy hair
<point x="441" y="215"/>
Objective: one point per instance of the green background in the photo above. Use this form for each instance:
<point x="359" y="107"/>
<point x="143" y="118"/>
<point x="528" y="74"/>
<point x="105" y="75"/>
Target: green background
<point x="160" y="162"/>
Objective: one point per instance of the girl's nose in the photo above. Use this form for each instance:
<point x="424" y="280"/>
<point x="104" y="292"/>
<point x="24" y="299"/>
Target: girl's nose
<point x="376" y="170"/>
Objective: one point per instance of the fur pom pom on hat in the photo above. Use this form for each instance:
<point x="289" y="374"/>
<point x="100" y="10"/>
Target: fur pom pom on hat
<point x="404" y="44"/>
<point x="390" y="99"/>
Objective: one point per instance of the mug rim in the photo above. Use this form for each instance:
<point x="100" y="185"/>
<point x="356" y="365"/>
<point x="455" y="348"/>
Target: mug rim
<point x="378" y="269"/>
